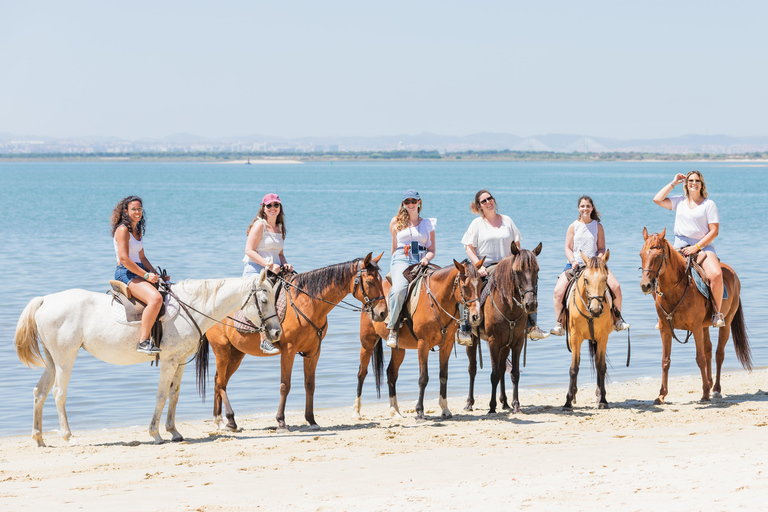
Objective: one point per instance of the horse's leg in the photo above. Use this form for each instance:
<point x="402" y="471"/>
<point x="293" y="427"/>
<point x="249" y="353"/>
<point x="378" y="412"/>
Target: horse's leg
<point x="286" y="367"/>
<point x="472" y="357"/>
<point x="423" y="351"/>
<point x="515" y="375"/>
<point x="230" y="366"/>
<point x="722" y="339"/>
<point x="703" y="347"/>
<point x="445" y="355"/>
<point x="576" y="339"/>
<point x="368" y="342"/>
<point x="398" y="354"/>
<point x="173" y="399"/>
<point x="503" y="356"/>
<point x="497" y="371"/>
<point x="163" y="388"/>
<point x="708" y="354"/>
<point x="63" y="372"/>
<point x="40" y="393"/>
<point x="310" y="367"/>
<point x="666" y="360"/>
<point x="601" y="368"/>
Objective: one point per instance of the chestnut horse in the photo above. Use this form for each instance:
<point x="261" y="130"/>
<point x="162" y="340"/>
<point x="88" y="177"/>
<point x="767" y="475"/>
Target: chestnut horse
<point x="665" y="274"/>
<point x="434" y="325"/>
<point x="589" y="318"/>
<point x="312" y="295"/>
<point x="505" y="317"/>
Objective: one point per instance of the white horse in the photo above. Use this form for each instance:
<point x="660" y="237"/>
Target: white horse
<point x="65" y="321"/>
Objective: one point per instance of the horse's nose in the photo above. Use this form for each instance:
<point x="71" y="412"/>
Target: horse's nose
<point x="274" y="334"/>
<point x="645" y="288"/>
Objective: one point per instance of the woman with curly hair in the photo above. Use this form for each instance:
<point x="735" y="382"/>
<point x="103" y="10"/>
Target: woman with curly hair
<point x="133" y="267"/>
<point x="413" y="241"/>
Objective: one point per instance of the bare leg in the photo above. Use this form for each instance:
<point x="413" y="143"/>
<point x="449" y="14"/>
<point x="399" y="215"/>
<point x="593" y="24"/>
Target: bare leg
<point x="562" y="284"/>
<point x="711" y="266"/>
<point x="148" y="294"/>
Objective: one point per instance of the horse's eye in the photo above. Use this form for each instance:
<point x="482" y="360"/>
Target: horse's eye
<point x="263" y="299"/>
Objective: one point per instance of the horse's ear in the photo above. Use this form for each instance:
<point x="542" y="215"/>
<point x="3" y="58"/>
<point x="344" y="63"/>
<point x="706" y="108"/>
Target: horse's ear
<point x="367" y="260"/>
<point x="537" y="250"/>
<point x="664" y="233"/>
<point x="377" y="258"/>
<point x="515" y="250"/>
<point x="584" y="258"/>
<point x="645" y="233"/>
<point x="480" y="263"/>
<point x="262" y="277"/>
<point x="459" y="266"/>
<point x="605" y="256"/>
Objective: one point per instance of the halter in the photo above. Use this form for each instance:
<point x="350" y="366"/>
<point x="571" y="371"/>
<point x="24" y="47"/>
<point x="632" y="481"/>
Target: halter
<point x="368" y="302"/>
<point x="591" y="318"/>
<point x="434" y="301"/>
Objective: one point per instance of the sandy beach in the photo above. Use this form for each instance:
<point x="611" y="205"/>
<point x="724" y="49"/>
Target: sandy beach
<point x="684" y="455"/>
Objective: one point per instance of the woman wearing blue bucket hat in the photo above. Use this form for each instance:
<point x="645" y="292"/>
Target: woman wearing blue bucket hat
<point x="413" y="241"/>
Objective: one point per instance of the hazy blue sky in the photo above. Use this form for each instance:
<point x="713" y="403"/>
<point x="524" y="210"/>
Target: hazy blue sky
<point x="605" y="68"/>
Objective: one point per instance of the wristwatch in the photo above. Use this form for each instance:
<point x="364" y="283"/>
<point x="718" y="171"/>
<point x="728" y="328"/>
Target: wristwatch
<point x="146" y="276"/>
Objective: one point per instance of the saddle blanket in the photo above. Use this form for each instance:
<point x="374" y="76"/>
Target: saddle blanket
<point x="129" y="316"/>
<point x="414" y="290"/>
<point x="244" y="325"/>
<point x="702" y="286"/>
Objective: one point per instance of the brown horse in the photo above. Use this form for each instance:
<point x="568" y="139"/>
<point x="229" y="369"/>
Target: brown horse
<point x="505" y="316"/>
<point x="666" y="275"/>
<point x="312" y="295"/>
<point x="434" y="325"/>
<point x="589" y="318"/>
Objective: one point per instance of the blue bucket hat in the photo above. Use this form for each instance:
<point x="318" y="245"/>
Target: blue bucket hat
<point x="411" y="194"/>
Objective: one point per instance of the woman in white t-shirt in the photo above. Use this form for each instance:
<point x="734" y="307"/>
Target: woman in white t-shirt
<point x="264" y="246"/>
<point x="413" y="241"/>
<point x="697" y="224"/>
<point x="584" y="234"/>
<point x="490" y="236"/>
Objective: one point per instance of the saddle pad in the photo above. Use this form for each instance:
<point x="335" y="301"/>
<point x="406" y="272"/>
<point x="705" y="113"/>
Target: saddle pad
<point x="704" y="287"/>
<point x="486" y="291"/>
<point x="128" y="316"/>
<point x="244" y="326"/>
<point x="412" y="296"/>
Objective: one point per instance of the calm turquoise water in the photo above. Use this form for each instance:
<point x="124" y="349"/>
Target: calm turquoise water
<point x="55" y="235"/>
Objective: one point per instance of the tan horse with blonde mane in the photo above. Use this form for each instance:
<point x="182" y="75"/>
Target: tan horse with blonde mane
<point x="666" y="275"/>
<point x="589" y="318"/>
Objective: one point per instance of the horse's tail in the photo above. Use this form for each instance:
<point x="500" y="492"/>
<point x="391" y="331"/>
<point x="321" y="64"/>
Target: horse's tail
<point x="27" y="336"/>
<point x="592" y="353"/>
<point x="201" y="365"/>
<point x="378" y="365"/>
<point x="740" y="339"/>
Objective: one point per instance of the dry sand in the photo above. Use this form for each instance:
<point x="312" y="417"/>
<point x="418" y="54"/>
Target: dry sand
<point x="635" y="456"/>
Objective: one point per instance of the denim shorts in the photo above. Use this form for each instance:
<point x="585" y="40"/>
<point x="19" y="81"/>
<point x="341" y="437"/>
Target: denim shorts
<point x="124" y="275"/>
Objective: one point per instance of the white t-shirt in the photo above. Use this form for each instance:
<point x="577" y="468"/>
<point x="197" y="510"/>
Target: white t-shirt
<point x="490" y="242"/>
<point x="420" y="233"/>
<point x="694" y="222"/>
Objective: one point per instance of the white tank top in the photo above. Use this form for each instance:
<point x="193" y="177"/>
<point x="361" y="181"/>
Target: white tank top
<point x="270" y="245"/>
<point x="584" y="239"/>
<point x="134" y="248"/>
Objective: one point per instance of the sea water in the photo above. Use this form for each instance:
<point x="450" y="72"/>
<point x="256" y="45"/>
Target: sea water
<point x="55" y="234"/>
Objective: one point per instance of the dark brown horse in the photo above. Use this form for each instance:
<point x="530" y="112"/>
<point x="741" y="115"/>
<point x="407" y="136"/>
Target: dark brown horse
<point x="589" y="318"/>
<point x="312" y="295"/>
<point x="505" y="316"/>
<point x="680" y="305"/>
<point x="434" y="325"/>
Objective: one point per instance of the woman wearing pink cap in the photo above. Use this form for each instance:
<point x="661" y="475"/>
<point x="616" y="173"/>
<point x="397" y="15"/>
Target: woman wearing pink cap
<point x="264" y="246"/>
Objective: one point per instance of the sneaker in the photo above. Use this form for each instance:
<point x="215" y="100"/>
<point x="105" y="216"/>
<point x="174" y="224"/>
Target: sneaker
<point x="268" y="348"/>
<point x="658" y="325"/>
<point x="621" y="325"/>
<point x="558" y="330"/>
<point x="145" y="347"/>
<point x="717" y="320"/>
<point x="463" y="338"/>
<point x="392" y="338"/>
<point x="535" y="333"/>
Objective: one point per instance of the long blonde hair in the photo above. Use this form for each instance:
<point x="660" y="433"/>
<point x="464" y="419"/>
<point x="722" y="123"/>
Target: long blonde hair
<point x="402" y="217"/>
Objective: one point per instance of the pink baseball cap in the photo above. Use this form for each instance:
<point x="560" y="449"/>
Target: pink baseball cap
<point x="271" y="198"/>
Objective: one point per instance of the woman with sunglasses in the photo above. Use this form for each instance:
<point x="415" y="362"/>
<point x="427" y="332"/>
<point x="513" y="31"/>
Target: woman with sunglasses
<point x="585" y="234"/>
<point x="490" y="236"/>
<point x="413" y="241"/>
<point x="264" y="246"/>
<point x="697" y="224"/>
<point x="133" y="267"/>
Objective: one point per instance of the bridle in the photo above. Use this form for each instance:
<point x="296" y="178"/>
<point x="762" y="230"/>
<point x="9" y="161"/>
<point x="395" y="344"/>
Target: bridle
<point x="464" y="302"/>
<point x="591" y="317"/>
<point x="367" y="302"/>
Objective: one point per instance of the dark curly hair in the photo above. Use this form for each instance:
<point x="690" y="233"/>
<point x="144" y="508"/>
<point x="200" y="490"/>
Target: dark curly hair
<point x="120" y="217"/>
<point x="595" y="215"/>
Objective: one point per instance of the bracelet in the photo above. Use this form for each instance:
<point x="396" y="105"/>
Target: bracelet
<point x="146" y="276"/>
<point x="697" y="245"/>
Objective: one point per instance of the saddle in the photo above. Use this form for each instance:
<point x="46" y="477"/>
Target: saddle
<point x="573" y="277"/>
<point x="127" y="309"/>
<point x="244" y="325"/>
<point x="700" y="277"/>
<point x="415" y="275"/>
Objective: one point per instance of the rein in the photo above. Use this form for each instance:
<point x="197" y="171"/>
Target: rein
<point x="658" y="295"/>
<point x="434" y="301"/>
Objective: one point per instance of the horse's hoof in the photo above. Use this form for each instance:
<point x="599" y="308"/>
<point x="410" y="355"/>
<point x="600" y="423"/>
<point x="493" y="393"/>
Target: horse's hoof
<point x="505" y="407"/>
<point x="516" y="410"/>
<point x="717" y="395"/>
<point x="314" y="427"/>
<point x="282" y="430"/>
<point x="232" y="427"/>
<point x="446" y="415"/>
<point x="159" y="441"/>
<point x="567" y="408"/>
<point x="658" y="401"/>
<point x="72" y="441"/>
<point x="705" y="400"/>
<point x="469" y="407"/>
<point x="602" y="406"/>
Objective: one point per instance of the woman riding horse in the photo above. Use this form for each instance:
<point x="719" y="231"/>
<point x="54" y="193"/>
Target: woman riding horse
<point x="133" y="267"/>
<point x="584" y="234"/>
<point x="697" y="224"/>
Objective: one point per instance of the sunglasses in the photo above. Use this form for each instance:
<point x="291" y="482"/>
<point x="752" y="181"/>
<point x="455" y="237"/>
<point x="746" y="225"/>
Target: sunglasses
<point x="411" y="201"/>
<point x="487" y="200"/>
<point x="694" y="181"/>
<point x="272" y="205"/>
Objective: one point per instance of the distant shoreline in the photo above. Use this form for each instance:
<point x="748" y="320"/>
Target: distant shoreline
<point x="757" y="159"/>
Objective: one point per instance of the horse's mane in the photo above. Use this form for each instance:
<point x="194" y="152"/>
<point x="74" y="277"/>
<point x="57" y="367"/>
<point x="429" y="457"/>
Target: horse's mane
<point x="596" y="262"/>
<point x="505" y="269"/>
<point x="200" y="289"/>
<point x="315" y="282"/>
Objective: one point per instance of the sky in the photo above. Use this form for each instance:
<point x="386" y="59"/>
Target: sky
<point x="642" y="69"/>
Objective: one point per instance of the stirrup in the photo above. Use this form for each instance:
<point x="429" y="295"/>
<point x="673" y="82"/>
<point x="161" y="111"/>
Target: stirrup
<point x="463" y="338"/>
<point x="718" y="320"/>
<point x="535" y="333"/>
<point x="145" y="347"/>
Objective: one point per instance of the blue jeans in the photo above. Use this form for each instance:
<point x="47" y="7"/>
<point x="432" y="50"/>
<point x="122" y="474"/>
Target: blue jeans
<point x="252" y="268"/>
<point x="124" y="275"/>
<point x="399" y="285"/>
